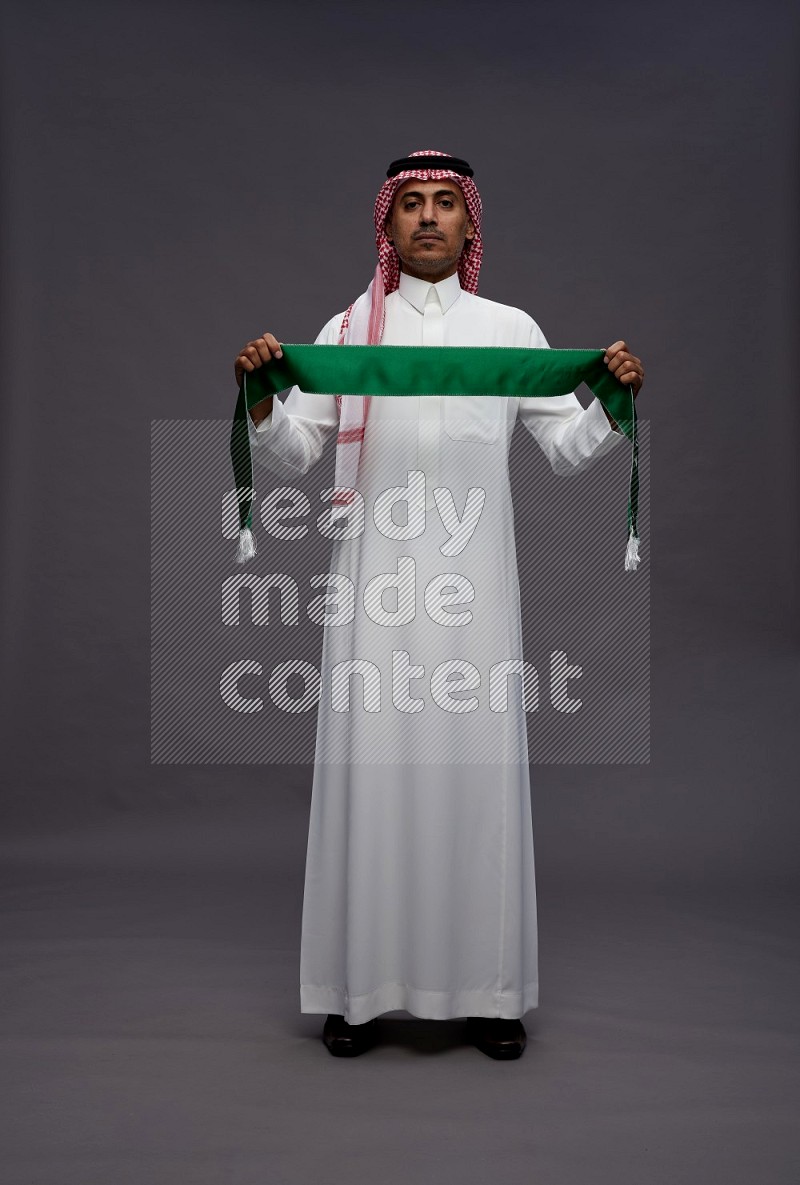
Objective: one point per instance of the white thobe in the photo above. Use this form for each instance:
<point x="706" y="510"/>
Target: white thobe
<point x="419" y="883"/>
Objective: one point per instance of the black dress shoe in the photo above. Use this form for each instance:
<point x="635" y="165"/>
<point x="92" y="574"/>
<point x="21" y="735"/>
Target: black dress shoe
<point x="344" y="1040"/>
<point x="497" y="1037"/>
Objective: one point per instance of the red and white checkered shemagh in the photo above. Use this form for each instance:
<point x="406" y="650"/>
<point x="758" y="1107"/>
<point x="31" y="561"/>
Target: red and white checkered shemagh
<point x="363" y="323"/>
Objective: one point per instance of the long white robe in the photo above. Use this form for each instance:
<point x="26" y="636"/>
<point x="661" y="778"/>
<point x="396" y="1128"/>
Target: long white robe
<point x="419" y="884"/>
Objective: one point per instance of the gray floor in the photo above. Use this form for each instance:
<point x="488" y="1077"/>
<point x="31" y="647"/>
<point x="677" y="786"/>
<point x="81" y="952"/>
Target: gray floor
<point x="151" y="1031"/>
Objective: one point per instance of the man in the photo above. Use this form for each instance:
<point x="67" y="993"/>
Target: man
<point x="419" y="887"/>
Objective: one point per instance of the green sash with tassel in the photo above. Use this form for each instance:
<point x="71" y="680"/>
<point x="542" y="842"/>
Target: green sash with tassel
<point x="483" y="371"/>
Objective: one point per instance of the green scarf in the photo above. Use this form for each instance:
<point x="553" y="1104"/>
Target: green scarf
<point x="431" y="370"/>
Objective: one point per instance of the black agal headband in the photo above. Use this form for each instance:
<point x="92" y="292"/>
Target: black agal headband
<point x="453" y="163"/>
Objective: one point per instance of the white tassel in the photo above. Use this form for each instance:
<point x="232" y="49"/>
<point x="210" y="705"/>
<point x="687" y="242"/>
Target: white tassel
<point x="632" y="553"/>
<point x="247" y="546"/>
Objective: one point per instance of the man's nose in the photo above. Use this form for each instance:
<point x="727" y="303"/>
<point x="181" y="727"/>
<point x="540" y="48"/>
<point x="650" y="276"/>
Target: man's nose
<point x="427" y="214"/>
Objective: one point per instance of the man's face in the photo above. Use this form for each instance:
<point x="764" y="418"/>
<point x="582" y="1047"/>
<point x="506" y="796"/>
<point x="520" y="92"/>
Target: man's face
<point x="429" y="224"/>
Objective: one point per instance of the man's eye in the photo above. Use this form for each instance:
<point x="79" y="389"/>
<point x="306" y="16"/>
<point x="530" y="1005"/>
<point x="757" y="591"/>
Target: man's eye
<point x="446" y="202"/>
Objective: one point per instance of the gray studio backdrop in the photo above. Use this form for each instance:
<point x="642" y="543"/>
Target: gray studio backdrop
<point x="179" y="178"/>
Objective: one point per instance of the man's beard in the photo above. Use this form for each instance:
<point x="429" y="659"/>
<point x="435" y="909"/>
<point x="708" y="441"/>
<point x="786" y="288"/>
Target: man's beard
<point x="431" y="263"/>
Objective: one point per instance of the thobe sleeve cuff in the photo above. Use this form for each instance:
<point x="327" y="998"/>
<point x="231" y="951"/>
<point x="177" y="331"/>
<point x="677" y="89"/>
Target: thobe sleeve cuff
<point x="572" y="437"/>
<point x="593" y="437"/>
<point x="602" y="437"/>
<point x="274" y="444"/>
<point x="266" y="425"/>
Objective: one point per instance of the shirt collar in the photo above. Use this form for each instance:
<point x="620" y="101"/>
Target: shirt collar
<point x="415" y="291"/>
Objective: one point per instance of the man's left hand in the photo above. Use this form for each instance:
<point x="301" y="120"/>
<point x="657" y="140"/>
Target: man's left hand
<point x="625" y="366"/>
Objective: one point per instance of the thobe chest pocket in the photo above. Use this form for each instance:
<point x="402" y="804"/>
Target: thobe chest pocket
<point x="474" y="418"/>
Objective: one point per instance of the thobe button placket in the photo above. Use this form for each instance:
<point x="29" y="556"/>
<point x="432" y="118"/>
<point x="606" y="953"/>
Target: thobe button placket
<point x="429" y="405"/>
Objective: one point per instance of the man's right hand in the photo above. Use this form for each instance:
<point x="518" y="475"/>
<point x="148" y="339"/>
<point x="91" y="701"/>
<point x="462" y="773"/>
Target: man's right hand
<point x="255" y="354"/>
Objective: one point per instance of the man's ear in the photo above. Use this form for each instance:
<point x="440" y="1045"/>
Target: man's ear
<point x="470" y="233"/>
<point x="387" y="229"/>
